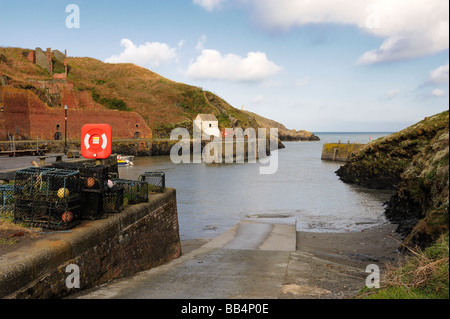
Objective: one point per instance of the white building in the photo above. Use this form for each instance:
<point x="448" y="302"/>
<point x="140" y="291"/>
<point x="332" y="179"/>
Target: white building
<point x="207" y="124"/>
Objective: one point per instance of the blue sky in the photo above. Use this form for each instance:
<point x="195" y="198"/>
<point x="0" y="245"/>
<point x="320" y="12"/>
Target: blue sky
<point x="323" y="65"/>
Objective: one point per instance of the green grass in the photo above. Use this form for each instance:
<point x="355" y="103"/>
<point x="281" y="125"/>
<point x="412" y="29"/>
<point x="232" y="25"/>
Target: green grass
<point x="8" y="241"/>
<point x="112" y="104"/>
<point x="58" y="66"/>
<point x="423" y="275"/>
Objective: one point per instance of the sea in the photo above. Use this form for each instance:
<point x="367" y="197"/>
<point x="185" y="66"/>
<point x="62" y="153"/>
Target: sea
<point x="213" y="197"/>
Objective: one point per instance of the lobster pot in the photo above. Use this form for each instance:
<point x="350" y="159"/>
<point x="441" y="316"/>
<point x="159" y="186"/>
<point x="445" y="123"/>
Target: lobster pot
<point x="6" y="201"/>
<point x="156" y="181"/>
<point x="92" y="204"/>
<point x="134" y="192"/>
<point x="48" y="215"/>
<point x="113" y="200"/>
<point x="47" y="184"/>
<point x="93" y="177"/>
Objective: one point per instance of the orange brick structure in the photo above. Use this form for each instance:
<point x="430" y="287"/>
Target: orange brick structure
<point x="45" y="59"/>
<point x="25" y="116"/>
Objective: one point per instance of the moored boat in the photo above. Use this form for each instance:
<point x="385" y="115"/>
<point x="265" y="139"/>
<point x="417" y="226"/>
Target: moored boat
<point x="125" y="160"/>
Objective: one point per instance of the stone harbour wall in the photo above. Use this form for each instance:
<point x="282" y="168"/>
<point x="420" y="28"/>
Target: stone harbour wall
<point x="139" y="238"/>
<point x="339" y="152"/>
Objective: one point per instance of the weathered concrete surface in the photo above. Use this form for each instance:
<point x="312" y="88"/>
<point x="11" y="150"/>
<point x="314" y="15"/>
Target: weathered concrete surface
<point x="139" y="238"/>
<point x="259" y="234"/>
<point x="321" y="266"/>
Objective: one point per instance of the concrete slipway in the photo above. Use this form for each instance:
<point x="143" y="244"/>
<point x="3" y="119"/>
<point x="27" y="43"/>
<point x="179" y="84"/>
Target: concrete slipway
<point x="257" y="258"/>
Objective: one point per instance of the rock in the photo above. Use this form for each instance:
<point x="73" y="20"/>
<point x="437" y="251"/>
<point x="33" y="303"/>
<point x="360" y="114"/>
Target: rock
<point x="18" y="234"/>
<point x="363" y="257"/>
<point x="415" y="163"/>
<point x="286" y="135"/>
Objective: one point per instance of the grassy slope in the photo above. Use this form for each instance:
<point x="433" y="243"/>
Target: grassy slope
<point x="415" y="162"/>
<point x="164" y="104"/>
<point x="424" y="274"/>
<point x="16" y="66"/>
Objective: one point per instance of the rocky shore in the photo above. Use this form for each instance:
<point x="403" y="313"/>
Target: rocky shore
<point x="294" y="136"/>
<point x="415" y="163"/>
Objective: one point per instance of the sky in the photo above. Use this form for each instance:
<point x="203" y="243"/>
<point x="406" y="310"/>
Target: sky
<point x="321" y="66"/>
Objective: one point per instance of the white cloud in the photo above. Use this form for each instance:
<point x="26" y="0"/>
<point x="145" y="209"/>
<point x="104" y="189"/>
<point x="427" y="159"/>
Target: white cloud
<point x="439" y="75"/>
<point x="201" y="43"/>
<point x="149" y="54"/>
<point x="303" y="82"/>
<point x="410" y="28"/>
<point x="392" y="94"/>
<point x="258" y="99"/>
<point x="209" y="5"/>
<point x="212" y="65"/>
<point x="438" y="92"/>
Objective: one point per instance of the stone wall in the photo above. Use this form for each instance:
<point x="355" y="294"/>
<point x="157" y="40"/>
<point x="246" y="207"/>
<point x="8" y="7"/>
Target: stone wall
<point x="58" y="55"/>
<point x="141" y="237"/>
<point x="142" y="147"/>
<point x="339" y="152"/>
<point x="43" y="59"/>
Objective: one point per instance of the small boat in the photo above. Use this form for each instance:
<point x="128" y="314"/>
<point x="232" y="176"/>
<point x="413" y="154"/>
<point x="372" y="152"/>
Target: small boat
<point x="125" y="160"/>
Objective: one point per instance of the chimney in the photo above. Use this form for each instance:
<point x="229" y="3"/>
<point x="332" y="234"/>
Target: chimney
<point x="49" y="59"/>
<point x="65" y="61"/>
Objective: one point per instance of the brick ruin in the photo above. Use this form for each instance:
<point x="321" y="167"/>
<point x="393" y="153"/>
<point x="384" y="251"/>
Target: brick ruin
<point x="47" y="59"/>
<point x="25" y="116"/>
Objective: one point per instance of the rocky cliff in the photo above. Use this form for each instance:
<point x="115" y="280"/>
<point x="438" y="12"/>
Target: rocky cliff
<point x="415" y="163"/>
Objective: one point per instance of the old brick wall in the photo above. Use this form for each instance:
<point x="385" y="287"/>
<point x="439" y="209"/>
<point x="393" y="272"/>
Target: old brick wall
<point x="142" y="237"/>
<point x="60" y="76"/>
<point x="32" y="56"/>
<point x="26" y="114"/>
<point x="2" y="114"/>
<point x="16" y="116"/>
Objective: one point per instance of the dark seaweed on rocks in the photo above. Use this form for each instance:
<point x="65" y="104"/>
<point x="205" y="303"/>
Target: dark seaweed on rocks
<point x="415" y="163"/>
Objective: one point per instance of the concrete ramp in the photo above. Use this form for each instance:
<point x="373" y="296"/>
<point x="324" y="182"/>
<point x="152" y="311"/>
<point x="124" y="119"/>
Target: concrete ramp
<point x="277" y="234"/>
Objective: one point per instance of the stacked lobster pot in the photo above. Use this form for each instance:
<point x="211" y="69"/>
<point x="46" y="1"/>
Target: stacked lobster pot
<point x="6" y="201"/>
<point x="134" y="192"/>
<point x="156" y="181"/>
<point x="98" y="196"/>
<point x="48" y="198"/>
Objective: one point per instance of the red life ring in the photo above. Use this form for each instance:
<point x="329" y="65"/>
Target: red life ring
<point x="96" y="141"/>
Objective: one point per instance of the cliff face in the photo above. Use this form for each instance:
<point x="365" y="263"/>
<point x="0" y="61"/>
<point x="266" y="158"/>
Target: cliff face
<point x="415" y="163"/>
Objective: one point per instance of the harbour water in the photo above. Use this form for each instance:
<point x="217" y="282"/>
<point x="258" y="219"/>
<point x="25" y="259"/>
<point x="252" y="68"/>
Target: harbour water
<point x="212" y="198"/>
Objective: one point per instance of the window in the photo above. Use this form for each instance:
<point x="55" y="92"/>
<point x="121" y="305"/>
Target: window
<point x="210" y="125"/>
